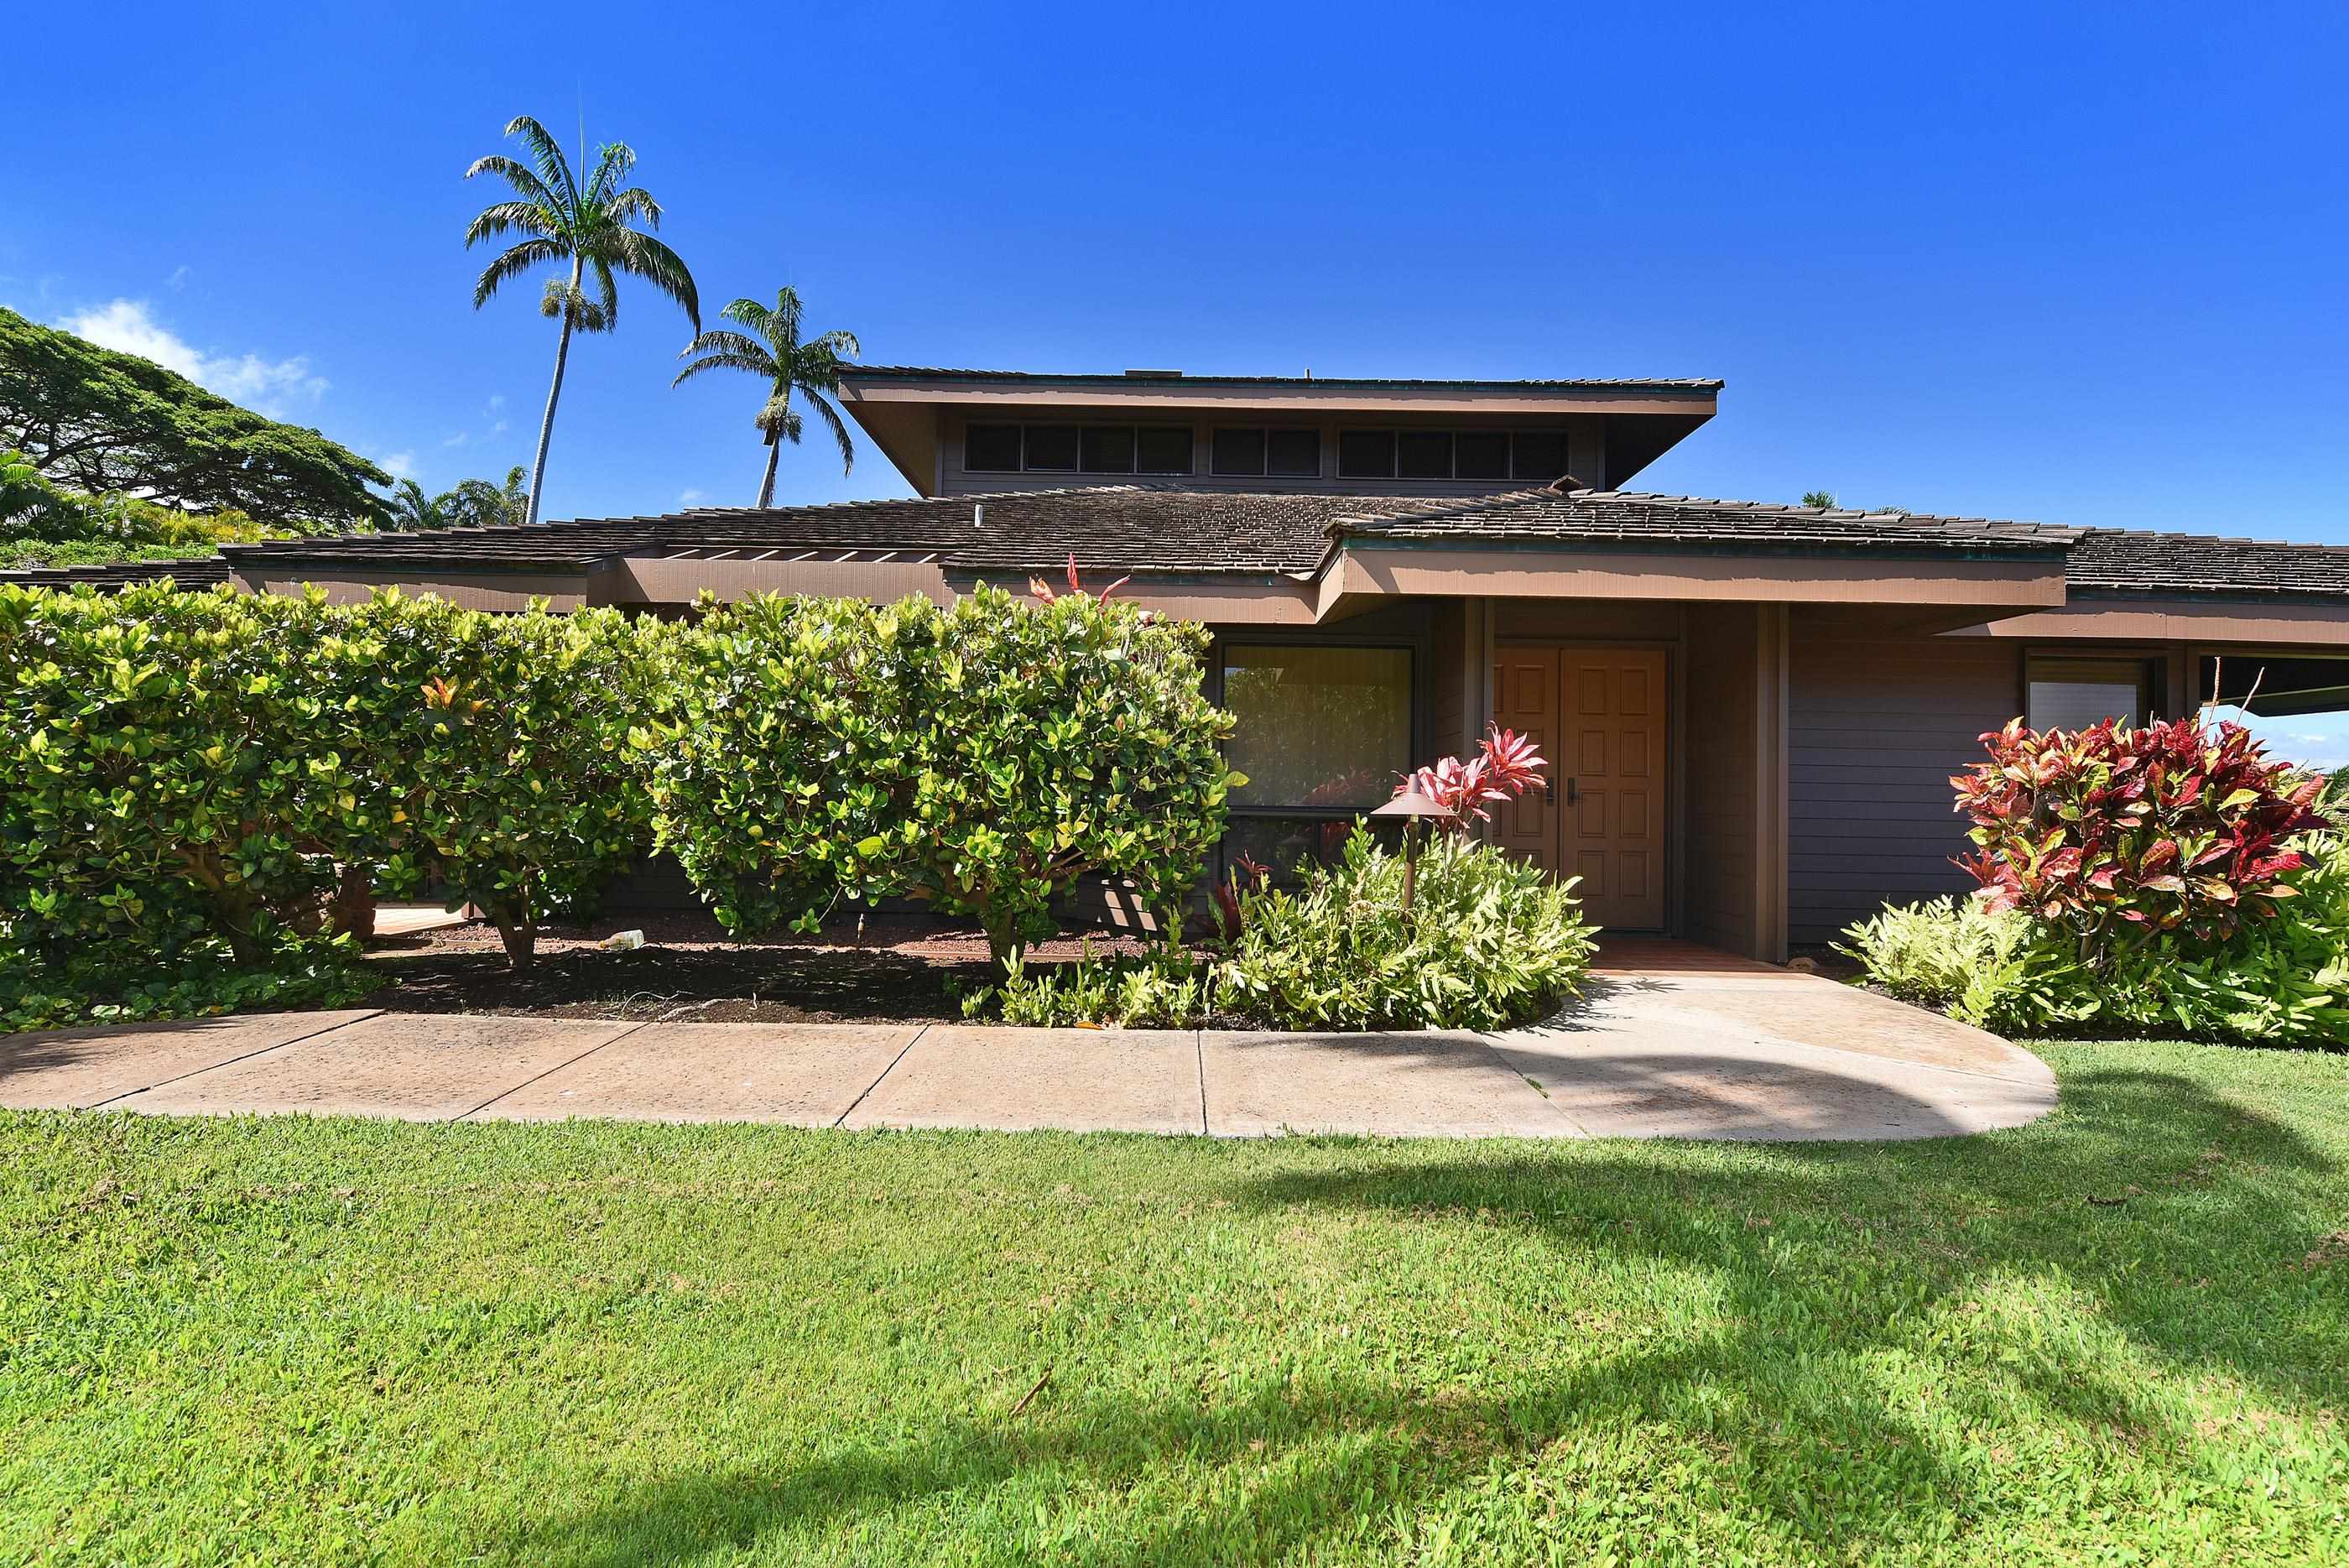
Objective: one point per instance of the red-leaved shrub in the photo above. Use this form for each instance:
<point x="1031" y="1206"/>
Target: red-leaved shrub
<point x="1506" y="766"/>
<point x="2119" y="832"/>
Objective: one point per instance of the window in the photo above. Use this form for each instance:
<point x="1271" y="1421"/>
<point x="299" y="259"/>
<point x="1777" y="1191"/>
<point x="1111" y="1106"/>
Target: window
<point x="1069" y="449"/>
<point x="1537" y="457"/>
<point x="990" y="449"/>
<point x="1239" y="453"/>
<point x="1107" y="448"/>
<point x="1532" y="457"/>
<point x="1323" y="728"/>
<point x="1293" y="454"/>
<point x="2074" y="693"/>
<point x="1481" y="454"/>
<point x="1366" y="454"/>
<point x="1160" y="450"/>
<point x="1423" y="454"/>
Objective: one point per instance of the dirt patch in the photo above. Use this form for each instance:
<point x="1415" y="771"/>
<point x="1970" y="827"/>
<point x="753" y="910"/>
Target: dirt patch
<point x="893" y="968"/>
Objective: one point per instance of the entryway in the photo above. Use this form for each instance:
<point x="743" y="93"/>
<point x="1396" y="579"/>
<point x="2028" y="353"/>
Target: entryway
<point x="1598" y="715"/>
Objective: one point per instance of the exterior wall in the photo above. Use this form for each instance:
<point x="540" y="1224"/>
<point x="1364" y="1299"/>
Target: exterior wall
<point x="1878" y="724"/>
<point x="1586" y="451"/>
<point x="1718" y="849"/>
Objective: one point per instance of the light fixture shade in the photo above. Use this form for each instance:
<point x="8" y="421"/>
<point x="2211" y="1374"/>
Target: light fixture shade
<point x="1413" y="805"/>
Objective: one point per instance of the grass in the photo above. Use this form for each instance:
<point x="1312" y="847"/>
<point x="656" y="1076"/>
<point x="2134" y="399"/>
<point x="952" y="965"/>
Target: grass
<point x="2121" y="1336"/>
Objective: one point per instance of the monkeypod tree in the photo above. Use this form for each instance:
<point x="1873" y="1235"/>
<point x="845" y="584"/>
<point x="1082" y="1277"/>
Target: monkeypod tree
<point x="2119" y="834"/>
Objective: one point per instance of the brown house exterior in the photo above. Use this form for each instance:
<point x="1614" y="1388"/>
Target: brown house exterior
<point x="1751" y="709"/>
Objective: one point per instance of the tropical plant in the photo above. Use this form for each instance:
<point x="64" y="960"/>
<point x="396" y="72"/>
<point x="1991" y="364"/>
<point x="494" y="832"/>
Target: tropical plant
<point x="1983" y="966"/>
<point x="1506" y="766"/>
<point x="1491" y="940"/>
<point x="478" y="503"/>
<point x="411" y="509"/>
<point x="590" y="228"/>
<point x="984" y="755"/>
<point x="2118" y="833"/>
<point x="769" y="347"/>
<point x="99" y="422"/>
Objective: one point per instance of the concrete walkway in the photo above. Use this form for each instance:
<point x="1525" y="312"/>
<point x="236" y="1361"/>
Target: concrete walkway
<point x="1726" y="1050"/>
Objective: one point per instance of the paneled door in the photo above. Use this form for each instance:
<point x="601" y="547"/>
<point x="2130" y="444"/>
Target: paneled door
<point x="1598" y="715"/>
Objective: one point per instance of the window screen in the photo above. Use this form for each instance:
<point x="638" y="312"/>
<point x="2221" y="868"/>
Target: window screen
<point x="1318" y="727"/>
<point x="1162" y="450"/>
<point x="1481" y="454"/>
<point x="991" y="449"/>
<point x="2076" y="693"/>
<point x="1423" y="454"/>
<point x="1053" y="446"/>
<point x="1293" y="454"/>
<point x="1239" y="452"/>
<point x="1366" y="454"/>
<point x="1108" y="448"/>
<point x="1538" y="456"/>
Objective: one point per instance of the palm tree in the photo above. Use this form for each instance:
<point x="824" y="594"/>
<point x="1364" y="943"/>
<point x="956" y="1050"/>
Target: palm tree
<point x="588" y="228"/>
<point x="772" y="349"/>
<point x="479" y="504"/>
<point x="412" y="509"/>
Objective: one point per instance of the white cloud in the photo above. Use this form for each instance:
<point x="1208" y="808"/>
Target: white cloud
<point x="689" y="496"/>
<point x="459" y="439"/>
<point x="499" y="428"/>
<point x="398" y="464"/>
<point x="179" y="278"/>
<point x="263" y="385"/>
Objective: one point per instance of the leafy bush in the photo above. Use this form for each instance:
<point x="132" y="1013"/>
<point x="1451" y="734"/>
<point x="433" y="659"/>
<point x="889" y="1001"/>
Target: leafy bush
<point x="1490" y="941"/>
<point x="187" y="771"/>
<point x="1993" y="968"/>
<point x="112" y="985"/>
<point x="2118" y="834"/>
<point x="1168" y="989"/>
<point x="984" y="755"/>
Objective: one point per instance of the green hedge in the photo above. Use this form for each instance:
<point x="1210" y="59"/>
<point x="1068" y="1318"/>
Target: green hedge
<point x="983" y="755"/>
<point x="189" y="777"/>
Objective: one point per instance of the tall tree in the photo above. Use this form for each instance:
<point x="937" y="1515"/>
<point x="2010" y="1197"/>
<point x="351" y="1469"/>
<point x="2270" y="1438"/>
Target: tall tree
<point x="478" y="503"/>
<point x="96" y="419"/>
<point x="769" y="347"/>
<point x="587" y="227"/>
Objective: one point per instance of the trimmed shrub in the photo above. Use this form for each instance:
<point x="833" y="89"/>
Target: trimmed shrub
<point x="984" y="755"/>
<point x="1490" y="941"/>
<point x="1992" y="968"/>
<point x="188" y="772"/>
<point x="2118" y="833"/>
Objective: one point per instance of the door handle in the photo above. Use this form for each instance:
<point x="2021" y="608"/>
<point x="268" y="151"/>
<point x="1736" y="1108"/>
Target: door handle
<point x="1573" y="795"/>
<point x="1549" y="792"/>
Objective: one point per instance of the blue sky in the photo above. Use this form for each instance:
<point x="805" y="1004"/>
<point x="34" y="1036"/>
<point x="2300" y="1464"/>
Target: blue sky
<point x="2074" y="263"/>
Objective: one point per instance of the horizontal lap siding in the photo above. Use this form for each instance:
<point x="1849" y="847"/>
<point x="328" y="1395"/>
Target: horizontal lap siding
<point x="1877" y="728"/>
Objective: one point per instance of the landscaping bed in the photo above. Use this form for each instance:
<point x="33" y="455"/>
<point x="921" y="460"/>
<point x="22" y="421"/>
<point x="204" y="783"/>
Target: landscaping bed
<point x="908" y="968"/>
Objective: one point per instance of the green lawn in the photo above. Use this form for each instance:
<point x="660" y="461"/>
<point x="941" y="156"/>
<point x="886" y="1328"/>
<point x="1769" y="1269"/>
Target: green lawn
<point x="2119" y="1337"/>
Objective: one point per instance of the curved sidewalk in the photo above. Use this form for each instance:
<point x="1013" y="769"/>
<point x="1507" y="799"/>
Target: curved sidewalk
<point x="1747" y="1052"/>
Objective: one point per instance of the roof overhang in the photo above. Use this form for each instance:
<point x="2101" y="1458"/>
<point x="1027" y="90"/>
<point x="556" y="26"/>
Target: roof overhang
<point x="2198" y="618"/>
<point x="901" y="410"/>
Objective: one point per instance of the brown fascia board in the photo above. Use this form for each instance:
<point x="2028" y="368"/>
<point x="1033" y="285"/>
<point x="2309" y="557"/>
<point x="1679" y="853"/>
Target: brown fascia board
<point x="1690" y="398"/>
<point x="2281" y="619"/>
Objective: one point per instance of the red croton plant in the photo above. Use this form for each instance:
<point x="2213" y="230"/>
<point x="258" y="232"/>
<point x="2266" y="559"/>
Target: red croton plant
<point x="2119" y="832"/>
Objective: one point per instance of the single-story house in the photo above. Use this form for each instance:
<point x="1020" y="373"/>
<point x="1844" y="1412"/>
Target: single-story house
<point x="1751" y="709"/>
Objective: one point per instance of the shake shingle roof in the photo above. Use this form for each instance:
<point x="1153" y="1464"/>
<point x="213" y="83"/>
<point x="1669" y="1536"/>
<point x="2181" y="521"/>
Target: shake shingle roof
<point x="201" y="571"/>
<point x="1587" y="516"/>
<point x="2117" y="560"/>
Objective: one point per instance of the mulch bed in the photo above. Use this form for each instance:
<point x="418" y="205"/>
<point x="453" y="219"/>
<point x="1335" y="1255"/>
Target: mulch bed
<point x="910" y="969"/>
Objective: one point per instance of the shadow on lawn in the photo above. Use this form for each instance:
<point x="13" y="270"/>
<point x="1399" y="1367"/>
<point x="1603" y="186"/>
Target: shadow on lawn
<point x="1784" y="1406"/>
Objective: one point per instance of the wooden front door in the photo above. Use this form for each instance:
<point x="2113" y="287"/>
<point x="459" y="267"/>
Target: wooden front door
<point x="1597" y="714"/>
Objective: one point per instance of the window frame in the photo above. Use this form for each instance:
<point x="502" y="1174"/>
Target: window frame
<point x="2073" y="667"/>
<point x="1264" y="434"/>
<point x="1133" y="430"/>
<point x="1396" y="435"/>
<point x="1414" y="665"/>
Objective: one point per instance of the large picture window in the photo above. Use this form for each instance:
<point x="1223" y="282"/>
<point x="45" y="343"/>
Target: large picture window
<point x="1325" y="728"/>
<point x="1532" y="457"/>
<point x="1076" y="448"/>
<point x="2076" y="693"/>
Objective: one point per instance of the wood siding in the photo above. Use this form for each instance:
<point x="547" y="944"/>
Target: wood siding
<point x="1878" y="724"/>
<point x="1719" y="850"/>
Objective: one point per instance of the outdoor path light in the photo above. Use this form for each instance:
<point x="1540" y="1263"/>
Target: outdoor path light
<point x="1413" y="807"/>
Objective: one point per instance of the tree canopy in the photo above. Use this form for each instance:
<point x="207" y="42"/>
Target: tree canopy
<point x="104" y="420"/>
